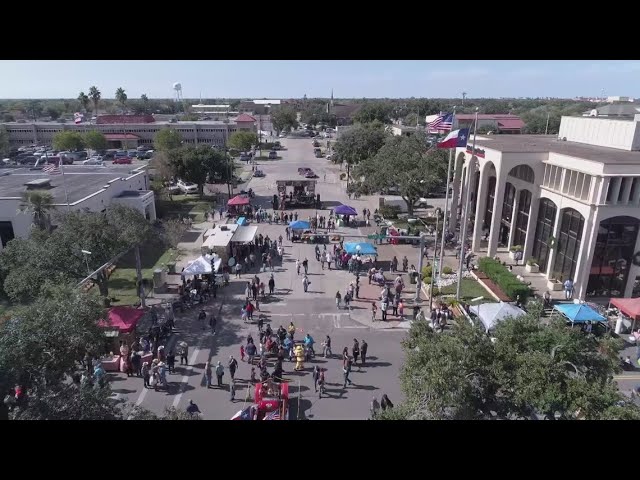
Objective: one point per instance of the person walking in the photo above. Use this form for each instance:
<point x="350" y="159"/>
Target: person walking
<point x="183" y="351"/>
<point x="208" y="373"/>
<point x="385" y="402"/>
<point x="202" y="317"/>
<point x="383" y="308"/>
<point x="316" y="377"/>
<point x="233" y="366"/>
<point x="347" y="371"/>
<point x="355" y="351"/>
<point x="136" y="363"/>
<point x="146" y="374"/>
<point x="171" y="361"/>
<point x="242" y="353"/>
<point x="298" y="266"/>
<point x="326" y="347"/>
<point x="374" y="310"/>
<point x="568" y="289"/>
<point x="364" y="346"/>
<point x="238" y="270"/>
<point x="219" y="373"/>
<point x="323" y="259"/>
<point x="232" y="389"/>
<point x="212" y="324"/>
<point x="374" y="408"/>
<point x="329" y="260"/>
<point x="272" y="285"/>
<point x="305" y="282"/>
<point x="317" y="251"/>
<point x="305" y="265"/>
<point x="338" y="298"/>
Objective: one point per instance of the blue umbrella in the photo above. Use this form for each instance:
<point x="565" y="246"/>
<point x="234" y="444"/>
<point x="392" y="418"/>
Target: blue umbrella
<point x="345" y="210"/>
<point x="299" y="225"/>
<point x="365" y="248"/>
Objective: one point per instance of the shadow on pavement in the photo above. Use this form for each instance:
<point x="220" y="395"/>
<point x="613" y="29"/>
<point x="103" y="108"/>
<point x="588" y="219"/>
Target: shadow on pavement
<point x="375" y="364"/>
<point x="298" y="409"/>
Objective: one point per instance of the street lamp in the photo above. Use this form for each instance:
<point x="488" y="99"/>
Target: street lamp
<point x="86" y="254"/>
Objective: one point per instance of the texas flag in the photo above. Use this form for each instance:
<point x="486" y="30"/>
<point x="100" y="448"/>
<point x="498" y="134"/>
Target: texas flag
<point x="457" y="138"/>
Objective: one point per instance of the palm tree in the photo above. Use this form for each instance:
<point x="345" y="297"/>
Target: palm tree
<point x="38" y="203"/>
<point x="121" y="97"/>
<point x="95" y="95"/>
<point x="145" y="102"/>
<point x="84" y="101"/>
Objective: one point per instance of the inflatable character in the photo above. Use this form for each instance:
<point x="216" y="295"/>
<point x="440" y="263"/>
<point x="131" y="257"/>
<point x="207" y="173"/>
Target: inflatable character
<point x="298" y="350"/>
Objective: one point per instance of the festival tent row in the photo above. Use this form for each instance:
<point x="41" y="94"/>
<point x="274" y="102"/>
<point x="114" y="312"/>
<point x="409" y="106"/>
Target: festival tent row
<point x="218" y="239"/>
<point x="579" y="312"/>
<point x="203" y="265"/>
<point x="492" y="313"/>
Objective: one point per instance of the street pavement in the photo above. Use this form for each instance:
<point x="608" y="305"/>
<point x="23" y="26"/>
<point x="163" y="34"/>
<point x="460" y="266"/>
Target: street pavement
<point x="312" y="312"/>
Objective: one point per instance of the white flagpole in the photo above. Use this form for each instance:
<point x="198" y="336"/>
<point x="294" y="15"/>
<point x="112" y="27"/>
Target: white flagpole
<point x="446" y="200"/>
<point x="64" y="185"/>
<point x="465" y="221"/>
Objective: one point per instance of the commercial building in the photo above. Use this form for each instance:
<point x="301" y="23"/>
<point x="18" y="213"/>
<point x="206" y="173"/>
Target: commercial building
<point x="131" y="130"/>
<point x="81" y="187"/>
<point x="571" y="202"/>
<point x="498" y="123"/>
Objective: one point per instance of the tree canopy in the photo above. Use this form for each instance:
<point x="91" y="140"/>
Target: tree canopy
<point x="372" y="112"/>
<point x="284" y="118"/>
<point x="84" y="101"/>
<point x="360" y="142"/>
<point x="95" y="140"/>
<point x="167" y="139"/>
<point x="407" y="163"/>
<point x="197" y="163"/>
<point x="121" y="97"/>
<point x="529" y="371"/>
<point x="4" y="141"/>
<point x="39" y="204"/>
<point x="95" y="96"/>
<point x="67" y="140"/>
<point x="243" y="140"/>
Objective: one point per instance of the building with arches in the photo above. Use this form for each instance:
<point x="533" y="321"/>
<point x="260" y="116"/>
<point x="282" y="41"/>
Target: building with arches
<point x="570" y="202"/>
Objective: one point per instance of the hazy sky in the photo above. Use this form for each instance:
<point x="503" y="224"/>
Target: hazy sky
<point x="316" y="78"/>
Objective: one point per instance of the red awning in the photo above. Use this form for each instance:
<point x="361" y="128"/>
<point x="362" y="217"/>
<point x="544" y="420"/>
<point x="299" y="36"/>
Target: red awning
<point x="121" y="136"/>
<point x="629" y="306"/>
<point x="238" y="200"/>
<point x="124" y="319"/>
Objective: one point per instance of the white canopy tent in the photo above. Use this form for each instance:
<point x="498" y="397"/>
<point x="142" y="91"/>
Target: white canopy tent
<point x="492" y="313"/>
<point x="202" y="266"/>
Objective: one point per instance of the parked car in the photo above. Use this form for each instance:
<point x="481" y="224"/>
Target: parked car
<point x="329" y="157"/>
<point x="310" y="174"/>
<point x="273" y="155"/>
<point x="421" y="203"/>
<point x="282" y="135"/>
<point x="98" y="160"/>
<point x="122" y="161"/>
<point x="258" y="173"/>
<point x="187" y="187"/>
<point x="304" y="170"/>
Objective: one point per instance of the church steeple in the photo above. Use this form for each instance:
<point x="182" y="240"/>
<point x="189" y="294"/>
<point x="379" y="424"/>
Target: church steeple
<point x="332" y="97"/>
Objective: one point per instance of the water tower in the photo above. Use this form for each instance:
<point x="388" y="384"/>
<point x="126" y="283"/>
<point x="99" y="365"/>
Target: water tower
<point x="177" y="88"/>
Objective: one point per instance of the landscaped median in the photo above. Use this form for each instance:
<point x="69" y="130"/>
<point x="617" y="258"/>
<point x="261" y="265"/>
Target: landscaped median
<point x="504" y="280"/>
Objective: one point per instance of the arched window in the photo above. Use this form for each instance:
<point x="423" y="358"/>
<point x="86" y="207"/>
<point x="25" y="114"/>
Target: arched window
<point x="522" y="218"/>
<point x="568" y="244"/>
<point x="544" y="232"/>
<point x="524" y="173"/>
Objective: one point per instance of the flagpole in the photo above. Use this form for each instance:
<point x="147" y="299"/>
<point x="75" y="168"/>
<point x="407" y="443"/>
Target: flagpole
<point x="466" y="209"/>
<point x="446" y="200"/>
<point x="64" y="185"/>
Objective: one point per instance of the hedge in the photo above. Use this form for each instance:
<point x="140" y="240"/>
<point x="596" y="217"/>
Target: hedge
<point x="501" y="276"/>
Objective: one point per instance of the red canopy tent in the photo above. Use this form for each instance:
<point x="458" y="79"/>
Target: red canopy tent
<point x="629" y="306"/>
<point x="238" y="201"/>
<point x="124" y="319"/>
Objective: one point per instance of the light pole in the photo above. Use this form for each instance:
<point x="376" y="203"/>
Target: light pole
<point x="433" y="272"/>
<point x="446" y="203"/>
<point x="86" y="254"/>
<point x="419" y="279"/>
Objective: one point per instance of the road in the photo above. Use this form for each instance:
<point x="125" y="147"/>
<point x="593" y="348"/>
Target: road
<point x="313" y="312"/>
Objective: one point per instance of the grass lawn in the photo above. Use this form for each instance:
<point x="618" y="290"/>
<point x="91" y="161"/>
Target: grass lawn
<point x="192" y="206"/>
<point x="470" y="289"/>
<point x="122" y="282"/>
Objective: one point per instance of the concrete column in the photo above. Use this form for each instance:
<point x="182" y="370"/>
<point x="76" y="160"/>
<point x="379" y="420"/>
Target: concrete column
<point x="555" y="234"/>
<point x="634" y="270"/>
<point x="531" y="225"/>
<point x="481" y="207"/>
<point x="615" y="186"/>
<point x="585" y="255"/>
<point x="496" y="219"/>
<point x="455" y="196"/>
<point x="514" y="218"/>
<point x="636" y="195"/>
<point x="626" y="191"/>
<point x="601" y="187"/>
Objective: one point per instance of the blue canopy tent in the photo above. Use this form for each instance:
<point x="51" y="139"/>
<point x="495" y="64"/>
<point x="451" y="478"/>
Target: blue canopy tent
<point x="345" y="210"/>
<point x="579" y="312"/>
<point x="365" y="248"/>
<point x="299" y="225"/>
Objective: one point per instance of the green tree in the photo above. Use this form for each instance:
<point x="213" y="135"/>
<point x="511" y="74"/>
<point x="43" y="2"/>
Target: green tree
<point x="121" y="97"/>
<point x="359" y="143"/>
<point x="95" y="95"/>
<point x="84" y="101"/>
<point x="41" y="343"/>
<point x="39" y="204"/>
<point x="145" y="102"/>
<point x="197" y="163"/>
<point x="95" y="140"/>
<point x="530" y="371"/>
<point x="372" y="112"/>
<point x="408" y="164"/>
<point x="68" y="140"/>
<point x="167" y="139"/>
<point x="35" y="109"/>
<point x="284" y="118"/>
<point x="243" y="140"/>
<point x="53" y="112"/>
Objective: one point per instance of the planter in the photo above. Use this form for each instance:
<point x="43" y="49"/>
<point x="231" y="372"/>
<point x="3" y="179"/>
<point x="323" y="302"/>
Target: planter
<point x="512" y="255"/>
<point x="535" y="268"/>
<point x="554" y="285"/>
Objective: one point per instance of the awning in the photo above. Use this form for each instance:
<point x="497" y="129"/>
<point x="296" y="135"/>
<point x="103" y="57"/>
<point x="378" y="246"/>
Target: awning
<point x="299" y="225"/>
<point x="124" y="319"/>
<point x="345" y="210"/>
<point x="202" y="266"/>
<point x="492" y="313"/>
<point x="365" y="248"/>
<point x="579" y="313"/>
<point x="629" y="306"/>
<point x="245" y="234"/>
<point x="238" y="200"/>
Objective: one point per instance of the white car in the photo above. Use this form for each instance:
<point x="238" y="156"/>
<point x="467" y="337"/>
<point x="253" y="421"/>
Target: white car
<point x="421" y="203"/>
<point x="93" y="161"/>
<point x="282" y="135"/>
<point x="187" y="187"/>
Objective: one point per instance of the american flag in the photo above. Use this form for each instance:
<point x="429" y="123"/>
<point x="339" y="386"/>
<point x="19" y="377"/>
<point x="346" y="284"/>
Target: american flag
<point x="51" y="169"/>
<point x="444" y="121"/>
<point x="275" y="415"/>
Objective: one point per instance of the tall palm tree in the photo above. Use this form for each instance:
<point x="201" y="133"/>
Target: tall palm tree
<point x="95" y="95"/>
<point x="145" y="102"/>
<point x="38" y="203"/>
<point x="84" y="101"/>
<point x="121" y="97"/>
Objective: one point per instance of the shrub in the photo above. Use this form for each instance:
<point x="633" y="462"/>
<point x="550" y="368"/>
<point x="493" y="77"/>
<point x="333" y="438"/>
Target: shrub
<point x="343" y="176"/>
<point x="516" y="248"/>
<point x="389" y="211"/>
<point x="532" y="261"/>
<point x="447" y="270"/>
<point x="427" y="281"/>
<point x="502" y="277"/>
<point x="426" y="271"/>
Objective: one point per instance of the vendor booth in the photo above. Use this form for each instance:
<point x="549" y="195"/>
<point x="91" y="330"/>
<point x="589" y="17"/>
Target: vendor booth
<point x="492" y="313"/>
<point x="630" y="312"/>
<point x="120" y="326"/>
<point x="239" y="206"/>
<point x="218" y="240"/>
<point x="298" y="229"/>
<point x="344" y="213"/>
<point x="579" y="313"/>
<point x="203" y="265"/>
<point x="360" y="248"/>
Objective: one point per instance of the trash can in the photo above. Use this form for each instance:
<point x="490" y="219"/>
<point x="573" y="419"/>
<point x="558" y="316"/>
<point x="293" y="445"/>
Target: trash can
<point x="171" y="267"/>
<point x="416" y="310"/>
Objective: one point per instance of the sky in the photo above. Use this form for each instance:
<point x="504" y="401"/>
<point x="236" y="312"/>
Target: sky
<point x="316" y="78"/>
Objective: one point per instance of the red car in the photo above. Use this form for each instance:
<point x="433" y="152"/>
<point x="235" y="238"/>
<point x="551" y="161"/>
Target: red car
<point x="122" y="161"/>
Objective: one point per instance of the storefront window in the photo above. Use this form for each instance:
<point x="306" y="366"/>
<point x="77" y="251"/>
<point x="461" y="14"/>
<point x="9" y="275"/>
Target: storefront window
<point x="569" y="241"/>
<point x="612" y="257"/>
<point x="507" y="211"/>
<point x="491" y="196"/>
<point x="544" y="232"/>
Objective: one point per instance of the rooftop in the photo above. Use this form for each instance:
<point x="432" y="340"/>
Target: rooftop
<point x="550" y="143"/>
<point x="119" y="119"/>
<point x="81" y="181"/>
<point x="243" y="117"/>
<point x="486" y="116"/>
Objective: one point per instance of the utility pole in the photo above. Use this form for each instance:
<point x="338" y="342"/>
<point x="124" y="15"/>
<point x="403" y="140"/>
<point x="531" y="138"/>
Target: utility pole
<point x="433" y="269"/>
<point x="446" y="200"/>
<point x="547" y="127"/>
<point x="419" y="279"/>
<point x="139" y="276"/>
